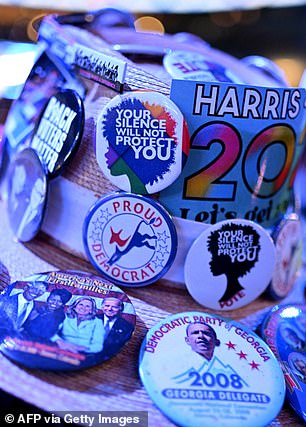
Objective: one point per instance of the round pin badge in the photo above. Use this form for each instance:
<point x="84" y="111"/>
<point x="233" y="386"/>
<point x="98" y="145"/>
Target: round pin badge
<point x="4" y="276"/>
<point x="45" y="79"/>
<point x="288" y="239"/>
<point x="64" y="320"/>
<point x="267" y="67"/>
<point x="186" y="65"/>
<point x="59" y="130"/>
<point x="235" y="260"/>
<point x="129" y="239"/>
<point x="27" y="189"/>
<point x="284" y="330"/>
<point x="142" y="142"/>
<point x="220" y="374"/>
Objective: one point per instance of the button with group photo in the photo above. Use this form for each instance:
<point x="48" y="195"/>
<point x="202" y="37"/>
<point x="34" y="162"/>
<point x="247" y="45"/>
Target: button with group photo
<point x="64" y="320"/>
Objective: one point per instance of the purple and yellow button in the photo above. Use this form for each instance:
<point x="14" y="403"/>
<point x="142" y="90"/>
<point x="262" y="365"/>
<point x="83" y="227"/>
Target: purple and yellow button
<point x="142" y="142"/>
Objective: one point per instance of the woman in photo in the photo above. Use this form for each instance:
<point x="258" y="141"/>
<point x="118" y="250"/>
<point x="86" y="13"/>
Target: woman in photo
<point x="81" y="330"/>
<point x="45" y="320"/>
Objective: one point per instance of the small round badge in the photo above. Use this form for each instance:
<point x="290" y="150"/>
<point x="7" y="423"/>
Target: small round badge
<point x="220" y="374"/>
<point x="58" y="133"/>
<point x="142" y="142"/>
<point x="267" y="67"/>
<point x="230" y="264"/>
<point x="288" y="238"/>
<point x="284" y="330"/>
<point x="130" y="239"/>
<point x="27" y="194"/>
<point x="186" y="65"/>
<point x="64" y="320"/>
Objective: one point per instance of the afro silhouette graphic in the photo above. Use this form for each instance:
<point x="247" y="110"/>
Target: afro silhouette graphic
<point x="121" y="158"/>
<point x="234" y="249"/>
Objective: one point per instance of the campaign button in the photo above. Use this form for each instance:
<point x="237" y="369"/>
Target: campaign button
<point x="129" y="239"/>
<point x="221" y="373"/>
<point x="64" y="320"/>
<point x="288" y="240"/>
<point x="142" y="142"/>
<point x="59" y="130"/>
<point x="45" y="79"/>
<point x="230" y="264"/>
<point x="186" y="65"/>
<point x="4" y="276"/>
<point x="27" y="190"/>
<point x="267" y="67"/>
<point x="284" y="330"/>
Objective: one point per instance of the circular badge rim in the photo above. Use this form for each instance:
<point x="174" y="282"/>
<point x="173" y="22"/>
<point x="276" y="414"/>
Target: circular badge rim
<point x="227" y="320"/>
<point x="236" y="80"/>
<point x="58" y="171"/>
<point x="172" y="53"/>
<point x="291" y="217"/>
<point x="159" y="208"/>
<point x="35" y="155"/>
<point x="275" y="311"/>
<point x="216" y="226"/>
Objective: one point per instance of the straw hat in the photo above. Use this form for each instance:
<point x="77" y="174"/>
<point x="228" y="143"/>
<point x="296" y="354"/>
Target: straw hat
<point x="115" y="384"/>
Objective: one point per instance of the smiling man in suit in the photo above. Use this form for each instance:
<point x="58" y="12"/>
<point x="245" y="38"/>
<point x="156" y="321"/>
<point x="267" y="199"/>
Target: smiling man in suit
<point x="117" y="329"/>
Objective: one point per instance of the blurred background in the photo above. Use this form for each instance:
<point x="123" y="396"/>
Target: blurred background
<point x="275" y="29"/>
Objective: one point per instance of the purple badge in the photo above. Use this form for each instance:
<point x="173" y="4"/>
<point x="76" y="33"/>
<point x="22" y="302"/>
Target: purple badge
<point x="284" y="330"/>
